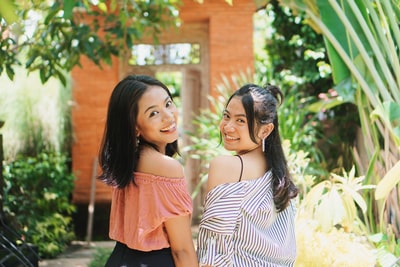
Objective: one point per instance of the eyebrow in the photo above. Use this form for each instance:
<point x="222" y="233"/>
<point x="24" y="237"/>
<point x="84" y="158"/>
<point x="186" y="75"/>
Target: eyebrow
<point x="154" y="106"/>
<point x="237" y="115"/>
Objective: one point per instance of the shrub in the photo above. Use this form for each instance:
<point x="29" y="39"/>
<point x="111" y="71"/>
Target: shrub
<point x="37" y="197"/>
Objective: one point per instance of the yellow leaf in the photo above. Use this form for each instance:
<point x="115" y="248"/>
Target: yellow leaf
<point x="315" y="195"/>
<point x="388" y="182"/>
<point x="323" y="214"/>
<point x="337" y="208"/>
<point x="102" y="7"/>
<point x="8" y="12"/>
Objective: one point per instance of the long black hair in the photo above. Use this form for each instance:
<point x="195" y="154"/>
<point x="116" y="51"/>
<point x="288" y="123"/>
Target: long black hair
<point x="260" y="105"/>
<point x="119" y="150"/>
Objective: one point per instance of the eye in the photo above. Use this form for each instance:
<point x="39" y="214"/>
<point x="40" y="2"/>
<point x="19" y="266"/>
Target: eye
<point x="169" y="103"/>
<point x="153" y="113"/>
<point x="241" y="121"/>
<point x="225" y="116"/>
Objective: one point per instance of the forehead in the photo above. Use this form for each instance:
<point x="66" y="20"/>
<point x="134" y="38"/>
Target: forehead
<point x="152" y="96"/>
<point x="235" y="106"/>
<point x="154" y="91"/>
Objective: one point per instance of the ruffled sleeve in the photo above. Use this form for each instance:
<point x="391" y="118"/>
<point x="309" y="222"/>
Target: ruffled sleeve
<point x="139" y="212"/>
<point x="227" y="210"/>
<point x="221" y="212"/>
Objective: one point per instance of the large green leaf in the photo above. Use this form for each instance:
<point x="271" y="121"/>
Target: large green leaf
<point x="324" y="104"/>
<point x="7" y="11"/>
<point x="339" y="29"/>
<point x="332" y="21"/>
<point x="389" y="112"/>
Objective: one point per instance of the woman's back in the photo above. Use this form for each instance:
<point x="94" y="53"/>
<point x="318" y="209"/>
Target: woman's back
<point x="244" y="168"/>
<point x="242" y="228"/>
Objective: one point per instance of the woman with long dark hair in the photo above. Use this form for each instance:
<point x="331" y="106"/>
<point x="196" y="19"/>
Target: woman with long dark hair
<point x="151" y="208"/>
<point x="248" y="217"/>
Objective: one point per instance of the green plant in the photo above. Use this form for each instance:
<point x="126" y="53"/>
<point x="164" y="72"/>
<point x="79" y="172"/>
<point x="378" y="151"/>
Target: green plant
<point x="52" y="234"/>
<point x="337" y="202"/>
<point x="37" y="117"/>
<point x="100" y="257"/>
<point x="37" y="196"/>
<point x="63" y="31"/>
<point x="385" y="243"/>
<point x="363" y="39"/>
<point x="328" y="225"/>
<point x="300" y="126"/>
<point x="295" y="58"/>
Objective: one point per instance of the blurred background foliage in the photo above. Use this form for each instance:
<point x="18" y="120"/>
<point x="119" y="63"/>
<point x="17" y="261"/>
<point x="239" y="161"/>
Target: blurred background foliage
<point x="326" y="131"/>
<point x="340" y="126"/>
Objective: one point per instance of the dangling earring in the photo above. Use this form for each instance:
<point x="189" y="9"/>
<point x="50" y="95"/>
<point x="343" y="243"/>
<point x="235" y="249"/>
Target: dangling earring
<point x="263" y="145"/>
<point x="137" y="144"/>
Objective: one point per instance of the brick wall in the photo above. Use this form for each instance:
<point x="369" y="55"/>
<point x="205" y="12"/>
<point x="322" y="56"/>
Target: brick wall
<point x="230" y="36"/>
<point x="230" y="52"/>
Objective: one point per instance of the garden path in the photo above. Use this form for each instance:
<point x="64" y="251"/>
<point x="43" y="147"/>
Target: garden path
<point x="80" y="253"/>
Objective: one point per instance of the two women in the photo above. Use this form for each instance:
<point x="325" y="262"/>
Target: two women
<point x="248" y="216"/>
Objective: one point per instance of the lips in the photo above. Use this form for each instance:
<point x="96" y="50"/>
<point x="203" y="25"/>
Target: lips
<point x="230" y="138"/>
<point x="170" y="128"/>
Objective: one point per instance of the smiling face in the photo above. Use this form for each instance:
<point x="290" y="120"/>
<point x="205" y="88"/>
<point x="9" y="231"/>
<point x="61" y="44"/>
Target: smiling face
<point x="157" y="118"/>
<point x="235" y="130"/>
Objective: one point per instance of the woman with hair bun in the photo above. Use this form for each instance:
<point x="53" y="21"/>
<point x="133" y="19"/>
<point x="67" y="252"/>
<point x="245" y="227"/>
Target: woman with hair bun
<point x="249" y="211"/>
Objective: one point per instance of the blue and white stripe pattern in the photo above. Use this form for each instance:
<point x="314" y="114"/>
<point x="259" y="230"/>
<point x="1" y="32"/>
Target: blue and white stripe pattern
<point x="241" y="228"/>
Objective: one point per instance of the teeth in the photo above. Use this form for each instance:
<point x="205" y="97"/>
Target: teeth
<point x="230" y="137"/>
<point x="169" y="127"/>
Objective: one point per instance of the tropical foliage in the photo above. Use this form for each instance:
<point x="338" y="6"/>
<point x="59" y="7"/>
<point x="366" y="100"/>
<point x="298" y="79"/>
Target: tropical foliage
<point x="347" y="205"/>
<point x="363" y="41"/>
<point x="37" y="201"/>
<point x="347" y="52"/>
<point x="54" y="35"/>
<point x="296" y="58"/>
<point x="38" y="182"/>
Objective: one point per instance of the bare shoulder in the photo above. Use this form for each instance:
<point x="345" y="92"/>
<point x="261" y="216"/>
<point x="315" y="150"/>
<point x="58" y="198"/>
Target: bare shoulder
<point x="222" y="162"/>
<point x="161" y="165"/>
<point x="223" y="169"/>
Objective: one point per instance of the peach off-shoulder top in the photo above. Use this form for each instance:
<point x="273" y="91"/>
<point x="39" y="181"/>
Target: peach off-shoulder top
<point x="138" y="212"/>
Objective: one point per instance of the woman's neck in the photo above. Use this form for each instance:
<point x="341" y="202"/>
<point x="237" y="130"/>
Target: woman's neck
<point x="149" y="148"/>
<point x="250" y="151"/>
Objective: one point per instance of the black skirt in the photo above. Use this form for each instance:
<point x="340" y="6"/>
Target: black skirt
<point x="123" y="256"/>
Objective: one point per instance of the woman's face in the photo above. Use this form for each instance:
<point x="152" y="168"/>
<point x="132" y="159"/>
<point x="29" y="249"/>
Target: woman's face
<point x="157" y="118"/>
<point x="234" y="128"/>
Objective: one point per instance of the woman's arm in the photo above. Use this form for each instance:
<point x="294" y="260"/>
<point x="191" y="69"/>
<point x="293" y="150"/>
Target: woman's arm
<point x="180" y="237"/>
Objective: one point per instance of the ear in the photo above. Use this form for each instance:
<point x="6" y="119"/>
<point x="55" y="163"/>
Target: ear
<point x="137" y="132"/>
<point x="266" y="130"/>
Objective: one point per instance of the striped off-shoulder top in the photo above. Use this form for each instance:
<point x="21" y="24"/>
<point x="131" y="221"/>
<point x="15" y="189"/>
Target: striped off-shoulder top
<point x="240" y="227"/>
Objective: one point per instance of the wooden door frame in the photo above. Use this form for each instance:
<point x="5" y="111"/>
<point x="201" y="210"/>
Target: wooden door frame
<point x="198" y="99"/>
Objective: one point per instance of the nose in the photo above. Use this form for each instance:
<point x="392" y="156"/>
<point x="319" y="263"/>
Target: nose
<point x="228" y="127"/>
<point x="168" y="115"/>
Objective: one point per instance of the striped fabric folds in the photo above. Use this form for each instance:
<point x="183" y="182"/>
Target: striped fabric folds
<point x="241" y="228"/>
